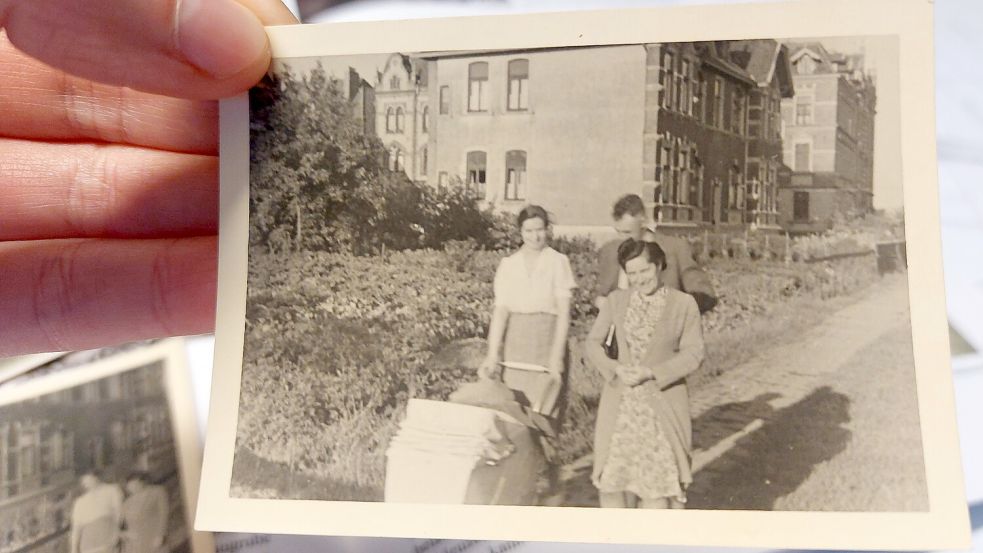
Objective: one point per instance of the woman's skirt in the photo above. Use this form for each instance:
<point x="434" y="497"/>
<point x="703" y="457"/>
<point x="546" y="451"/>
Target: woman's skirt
<point x="641" y="457"/>
<point x="529" y="339"/>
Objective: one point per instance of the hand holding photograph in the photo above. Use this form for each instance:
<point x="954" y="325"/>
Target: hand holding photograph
<point x="520" y="277"/>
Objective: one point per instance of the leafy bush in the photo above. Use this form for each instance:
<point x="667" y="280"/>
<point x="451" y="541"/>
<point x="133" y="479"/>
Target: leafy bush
<point x="336" y="344"/>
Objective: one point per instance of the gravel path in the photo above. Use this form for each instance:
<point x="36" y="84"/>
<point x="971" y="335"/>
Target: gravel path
<point x="829" y="422"/>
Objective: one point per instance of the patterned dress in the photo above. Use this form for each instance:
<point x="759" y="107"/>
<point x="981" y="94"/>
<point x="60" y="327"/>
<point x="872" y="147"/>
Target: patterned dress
<point x="640" y="459"/>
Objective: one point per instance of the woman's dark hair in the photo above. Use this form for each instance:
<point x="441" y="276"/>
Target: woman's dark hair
<point x="631" y="248"/>
<point x="533" y="212"/>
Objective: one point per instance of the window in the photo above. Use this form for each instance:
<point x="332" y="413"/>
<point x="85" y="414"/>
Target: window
<point x="803" y="110"/>
<point x="687" y="101"/>
<point x="445" y="100"/>
<point x="399" y="120"/>
<point x="477" y="174"/>
<point x="397" y="162"/>
<point x="424" y="155"/>
<point x="515" y="175"/>
<point x="663" y="83"/>
<point x="800" y="206"/>
<point x="478" y="86"/>
<point x="390" y="120"/>
<point x="669" y="63"/>
<point x="718" y="102"/>
<point x="678" y="101"/>
<point x="805" y="66"/>
<point x="803" y="157"/>
<point x="518" y="85"/>
<point x="394" y="83"/>
<point x="737" y="113"/>
<point x="425" y="119"/>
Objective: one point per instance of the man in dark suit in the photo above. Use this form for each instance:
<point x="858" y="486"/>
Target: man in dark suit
<point x="682" y="272"/>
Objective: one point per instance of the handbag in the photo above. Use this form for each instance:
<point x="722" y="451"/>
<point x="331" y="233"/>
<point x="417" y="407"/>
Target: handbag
<point x="610" y="344"/>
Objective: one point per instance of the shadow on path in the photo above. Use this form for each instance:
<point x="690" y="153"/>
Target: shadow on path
<point x="721" y="421"/>
<point x="777" y="458"/>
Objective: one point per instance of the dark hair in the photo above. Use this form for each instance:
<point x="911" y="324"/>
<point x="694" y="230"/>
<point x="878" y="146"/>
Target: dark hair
<point x="138" y="475"/>
<point x="629" y="204"/>
<point x="631" y="248"/>
<point x="533" y="212"/>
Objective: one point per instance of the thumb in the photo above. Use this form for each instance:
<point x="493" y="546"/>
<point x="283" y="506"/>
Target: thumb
<point x="199" y="49"/>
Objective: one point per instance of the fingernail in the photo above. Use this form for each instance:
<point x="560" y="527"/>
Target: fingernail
<point x="219" y="37"/>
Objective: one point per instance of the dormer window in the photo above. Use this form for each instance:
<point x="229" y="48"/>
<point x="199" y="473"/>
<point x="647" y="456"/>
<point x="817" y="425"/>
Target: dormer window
<point x="805" y="66"/>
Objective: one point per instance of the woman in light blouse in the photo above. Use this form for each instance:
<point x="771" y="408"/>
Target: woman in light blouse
<point x="531" y="317"/>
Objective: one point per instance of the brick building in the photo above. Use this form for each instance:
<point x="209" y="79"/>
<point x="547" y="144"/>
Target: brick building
<point x="767" y="61"/>
<point x="828" y="139"/>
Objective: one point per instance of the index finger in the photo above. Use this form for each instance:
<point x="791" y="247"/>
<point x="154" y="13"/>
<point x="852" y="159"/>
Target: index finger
<point x="200" y="49"/>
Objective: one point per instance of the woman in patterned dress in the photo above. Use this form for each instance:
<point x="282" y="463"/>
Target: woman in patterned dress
<point x="531" y="319"/>
<point x="642" y="440"/>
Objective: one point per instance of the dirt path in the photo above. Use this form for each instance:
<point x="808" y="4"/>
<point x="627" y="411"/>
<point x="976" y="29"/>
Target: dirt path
<point x="828" y="422"/>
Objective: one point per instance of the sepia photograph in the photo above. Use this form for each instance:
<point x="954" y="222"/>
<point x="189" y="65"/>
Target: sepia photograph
<point x="92" y="457"/>
<point x="662" y="275"/>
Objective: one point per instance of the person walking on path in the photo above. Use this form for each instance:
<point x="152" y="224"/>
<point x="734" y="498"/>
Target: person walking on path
<point x="643" y="434"/>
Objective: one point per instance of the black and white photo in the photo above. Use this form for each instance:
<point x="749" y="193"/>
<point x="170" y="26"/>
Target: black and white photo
<point x="99" y="457"/>
<point x="573" y="278"/>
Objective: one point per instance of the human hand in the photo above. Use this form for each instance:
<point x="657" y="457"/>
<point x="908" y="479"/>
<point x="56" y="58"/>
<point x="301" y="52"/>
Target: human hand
<point x="490" y="369"/>
<point x="633" y="375"/>
<point x="556" y="364"/>
<point x="110" y="191"/>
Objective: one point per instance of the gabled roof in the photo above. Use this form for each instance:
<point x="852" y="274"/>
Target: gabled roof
<point x="815" y="50"/>
<point x="716" y="54"/>
<point x="765" y="60"/>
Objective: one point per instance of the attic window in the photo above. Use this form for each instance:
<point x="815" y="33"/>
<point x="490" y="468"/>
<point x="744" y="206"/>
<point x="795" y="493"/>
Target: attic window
<point x="805" y="66"/>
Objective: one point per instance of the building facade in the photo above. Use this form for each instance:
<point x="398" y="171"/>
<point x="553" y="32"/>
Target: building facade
<point x="701" y="144"/>
<point x="828" y="139"/>
<point x="726" y="134"/>
<point x="767" y="62"/>
<point x="402" y="117"/>
<point x="558" y="127"/>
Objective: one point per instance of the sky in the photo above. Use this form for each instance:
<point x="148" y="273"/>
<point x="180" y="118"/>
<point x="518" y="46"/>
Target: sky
<point x="881" y="57"/>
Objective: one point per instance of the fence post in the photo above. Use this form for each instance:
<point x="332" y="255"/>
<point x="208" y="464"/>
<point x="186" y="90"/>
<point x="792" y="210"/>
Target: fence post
<point x="788" y="248"/>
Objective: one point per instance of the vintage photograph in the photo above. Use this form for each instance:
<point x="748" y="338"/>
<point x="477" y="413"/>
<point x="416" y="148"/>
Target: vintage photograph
<point x="621" y="275"/>
<point x="467" y="227"/>
<point x="95" y="465"/>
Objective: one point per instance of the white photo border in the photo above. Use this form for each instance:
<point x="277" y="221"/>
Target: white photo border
<point x="945" y="525"/>
<point x="180" y="401"/>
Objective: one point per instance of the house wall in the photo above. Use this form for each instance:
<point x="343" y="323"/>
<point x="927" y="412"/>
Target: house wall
<point x="582" y="131"/>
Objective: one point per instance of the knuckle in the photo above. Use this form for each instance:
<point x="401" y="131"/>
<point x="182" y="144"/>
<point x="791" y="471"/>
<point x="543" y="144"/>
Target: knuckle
<point x="55" y="295"/>
<point x="162" y="284"/>
<point x="91" y="193"/>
